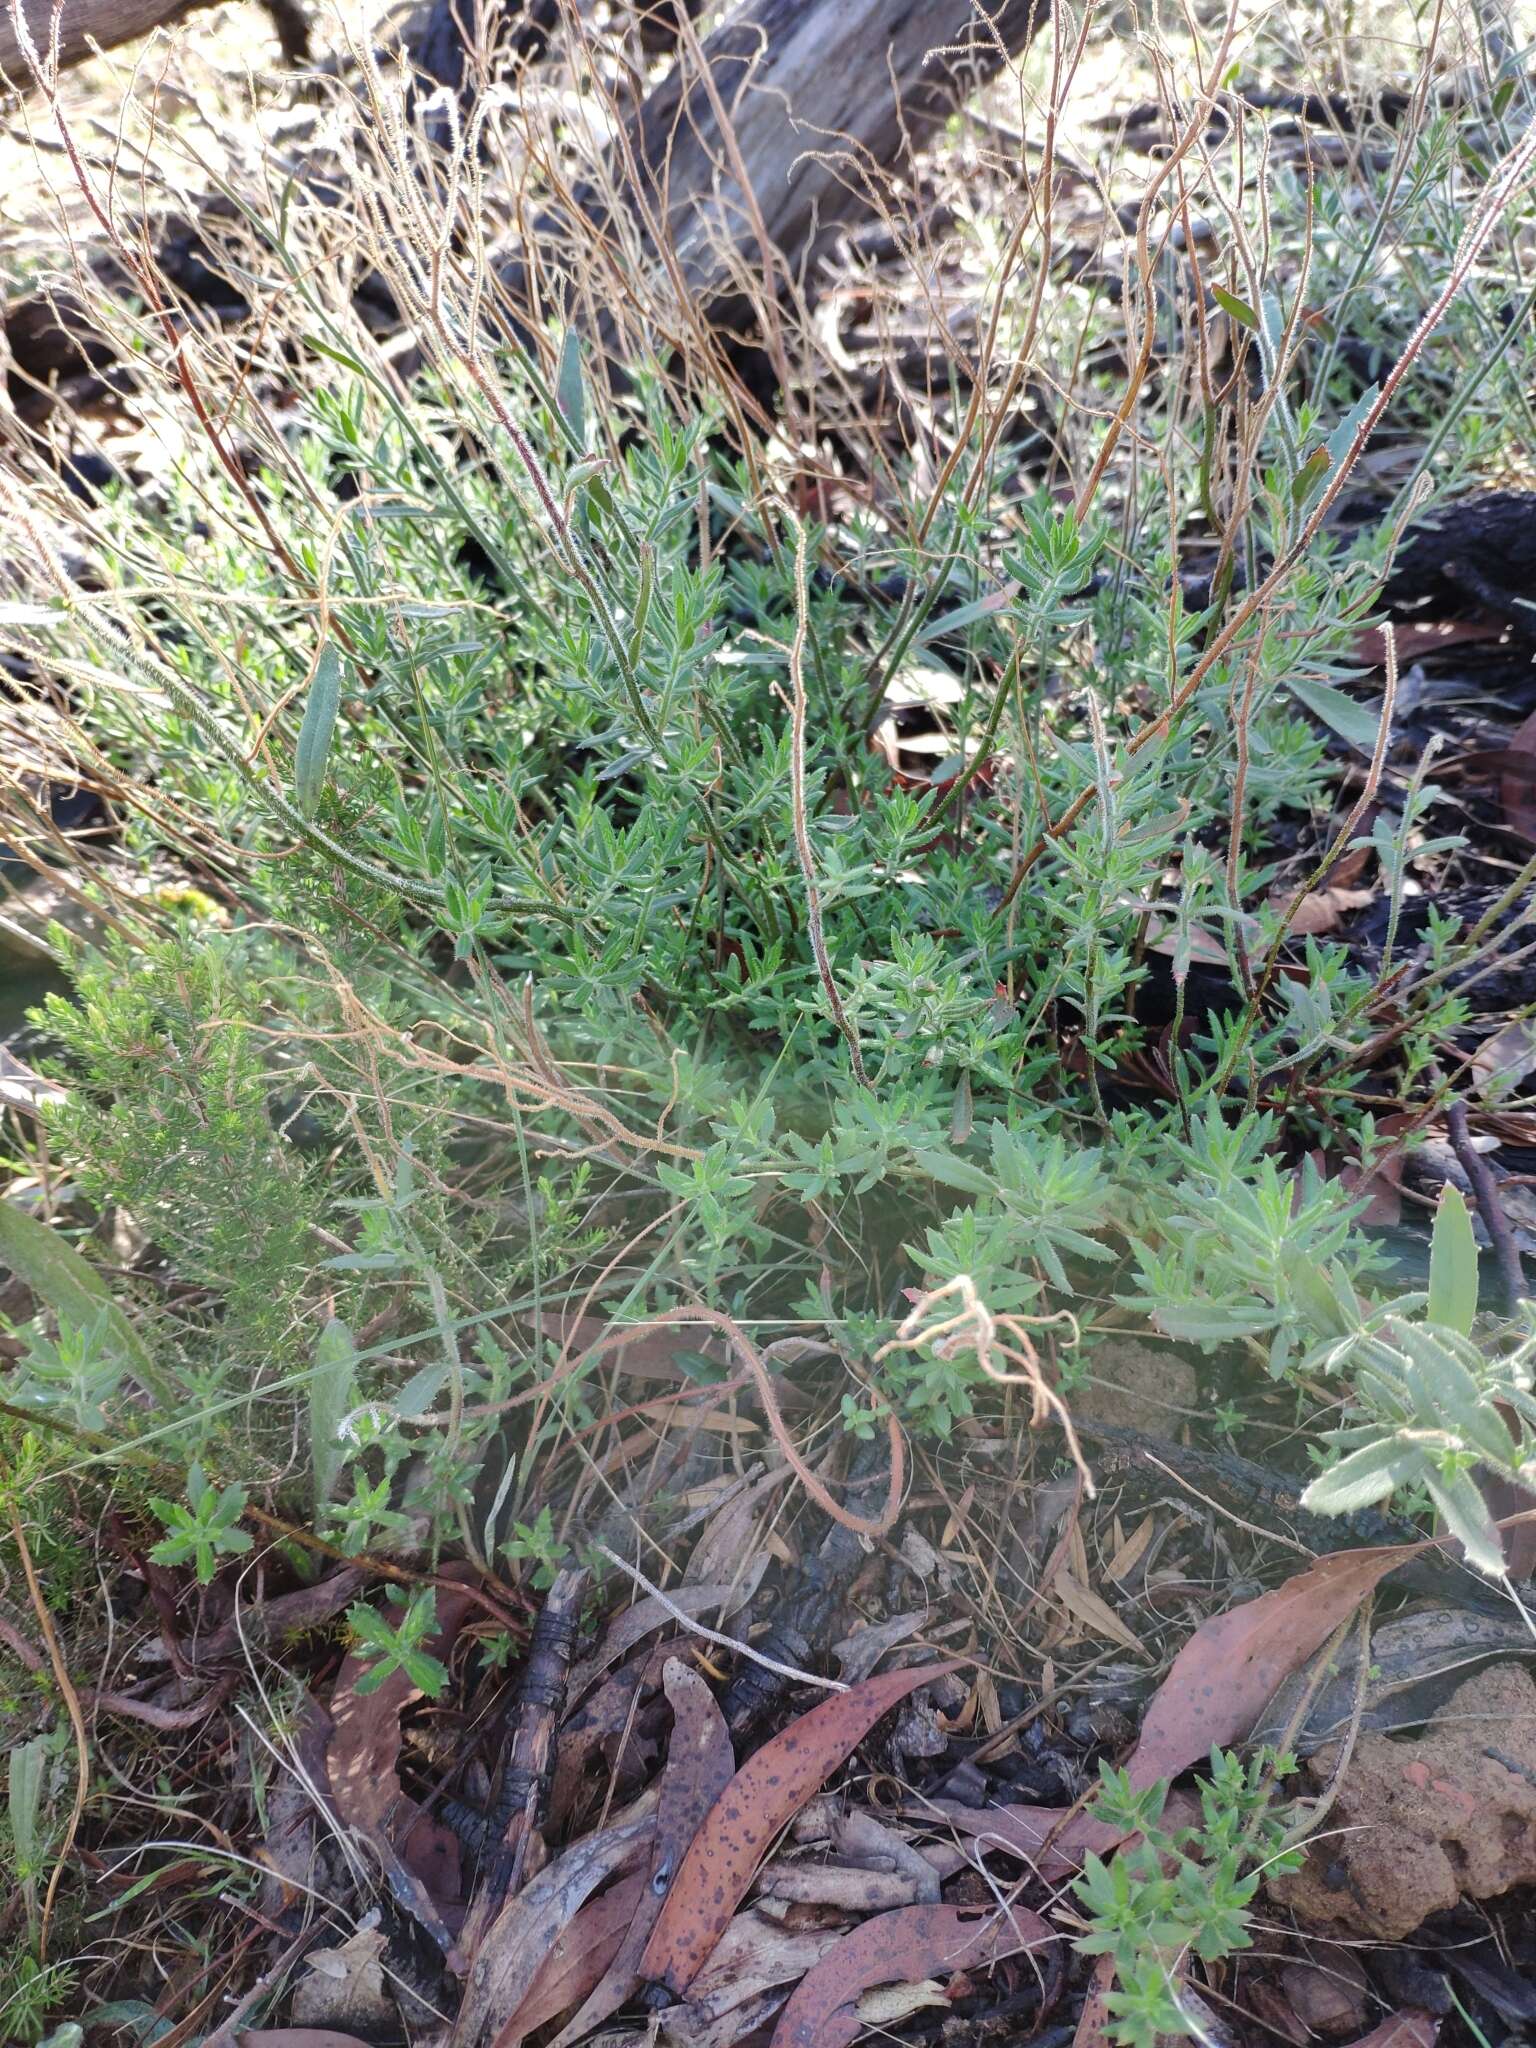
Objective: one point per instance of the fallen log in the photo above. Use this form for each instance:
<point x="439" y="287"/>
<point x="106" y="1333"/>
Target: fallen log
<point x="788" y="122"/>
<point x="86" y="26"/>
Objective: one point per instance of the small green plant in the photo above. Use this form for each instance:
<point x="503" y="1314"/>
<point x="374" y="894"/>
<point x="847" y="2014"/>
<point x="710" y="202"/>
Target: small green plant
<point x="399" y="1648"/>
<point x="78" y="1371"/>
<point x="1176" y="1894"/>
<point x="25" y="1773"/>
<point x="535" y="1545"/>
<point x="204" y="1531"/>
<point x="30" y="1992"/>
<point x="1430" y="1408"/>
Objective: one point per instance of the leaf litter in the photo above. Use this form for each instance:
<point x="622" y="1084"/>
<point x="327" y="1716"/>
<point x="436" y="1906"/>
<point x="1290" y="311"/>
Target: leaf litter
<point x="768" y="1895"/>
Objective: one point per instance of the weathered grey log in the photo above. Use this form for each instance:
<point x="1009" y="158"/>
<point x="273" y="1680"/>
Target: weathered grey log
<point x="83" y="24"/>
<point x="88" y="25"/>
<point x="823" y="100"/>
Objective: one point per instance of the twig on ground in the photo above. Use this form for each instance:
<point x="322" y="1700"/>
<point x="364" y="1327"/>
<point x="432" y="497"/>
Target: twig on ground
<point x="714" y="1635"/>
<point x="1485" y="1192"/>
<point x="802" y="833"/>
<point x="76" y="1720"/>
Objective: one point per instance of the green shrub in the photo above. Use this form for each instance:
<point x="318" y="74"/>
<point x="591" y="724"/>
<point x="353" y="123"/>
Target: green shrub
<point x="560" y="941"/>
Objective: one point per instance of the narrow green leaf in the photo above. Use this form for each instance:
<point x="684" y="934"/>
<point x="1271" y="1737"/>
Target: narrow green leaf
<point x="1363" y="1478"/>
<point x="314" y="743"/>
<point x="47" y="1263"/>
<point x="570" y="390"/>
<point x="1239" y="309"/>
<point x="24" y="1790"/>
<point x="1339" y="440"/>
<point x="337" y="355"/>
<point x="1453" y="1264"/>
<point x="420" y="1391"/>
<point x="332" y="1387"/>
<point x="1325" y="1294"/>
<point x="943" y="624"/>
<point x="642" y="601"/>
<point x="1357" y="723"/>
<point x="961" y="1116"/>
<point x="1199" y="1323"/>
<point x="400" y="508"/>
<point x="1311" y="472"/>
<point x="953" y="1172"/>
<point x="1465" y="1514"/>
<point x="585" y="471"/>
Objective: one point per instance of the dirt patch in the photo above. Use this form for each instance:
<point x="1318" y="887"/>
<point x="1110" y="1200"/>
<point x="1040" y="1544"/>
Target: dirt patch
<point x="1418" y="1824"/>
<point x="1138" y="1386"/>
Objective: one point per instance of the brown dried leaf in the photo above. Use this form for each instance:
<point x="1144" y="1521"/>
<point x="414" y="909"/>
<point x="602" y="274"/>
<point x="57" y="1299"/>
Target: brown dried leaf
<point x="892" y="2003"/>
<point x="763" y="1797"/>
<point x="1095" y="1613"/>
<point x="648" y="1614"/>
<point x="1226" y="1673"/>
<point x="731" y="1533"/>
<point x="361" y="1760"/>
<point x="746" y="2021"/>
<point x="345" y="1983"/>
<point x="295" y="2037"/>
<point x="527" y="1926"/>
<point x="1327" y="1990"/>
<point x="858" y="1654"/>
<point x="867" y="1841"/>
<point x="846" y="1886"/>
<point x="1407" y="2029"/>
<point x="1093" y="2020"/>
<point x="755" y="1956"/>
<point x="582" y="1954"/>
<point x="1320" y="911"/>
<point x="898" y="1948"/>
<point x="1416" y="639"/>
<point x="1504" y="1060"/>
<point x="652" y="1355"/>
<point x="700" y="1762"/>
<point x="1128" y="1552"/>
<point x="604" y="1717"/>
<point x="431" y="1853"/>
<point x="1517" y="779"/>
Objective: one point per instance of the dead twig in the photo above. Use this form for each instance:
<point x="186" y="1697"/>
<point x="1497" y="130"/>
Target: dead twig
<point x="76" y="1720"/>
<point x="714" y="1635"/>
<point x="1485" y="1192"/>
<point x="974" y="1327"/>
<point x="797" y="798"/>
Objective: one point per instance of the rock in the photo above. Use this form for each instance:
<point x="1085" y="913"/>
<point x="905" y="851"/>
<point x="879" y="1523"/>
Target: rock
<point x="1416" y="1825"/>
<point x="1328" y="1991"/>
<point x="1138" y="1386"/>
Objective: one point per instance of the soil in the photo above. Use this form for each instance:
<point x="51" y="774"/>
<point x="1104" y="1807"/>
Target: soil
<point x="1417" y="1824"/>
